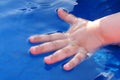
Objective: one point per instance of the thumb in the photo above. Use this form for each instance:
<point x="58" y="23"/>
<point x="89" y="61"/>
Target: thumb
<point x="71" y="19"/>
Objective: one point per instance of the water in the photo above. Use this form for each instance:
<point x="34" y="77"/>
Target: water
<point x="20" y="19"/>
<point x="108" y="60"/>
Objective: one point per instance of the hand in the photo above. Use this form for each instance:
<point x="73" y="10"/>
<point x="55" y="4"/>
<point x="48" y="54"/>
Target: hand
<point x="75" y="22"/>
<point x="82" y="38"/>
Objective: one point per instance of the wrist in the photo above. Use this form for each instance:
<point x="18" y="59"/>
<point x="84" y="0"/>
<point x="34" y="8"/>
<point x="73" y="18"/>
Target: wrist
<point x="94" y="29"/>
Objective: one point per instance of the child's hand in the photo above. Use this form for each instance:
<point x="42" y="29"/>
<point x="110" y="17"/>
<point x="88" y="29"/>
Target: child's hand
<point x="75" y="22"/>
<point x="82" y="38"/>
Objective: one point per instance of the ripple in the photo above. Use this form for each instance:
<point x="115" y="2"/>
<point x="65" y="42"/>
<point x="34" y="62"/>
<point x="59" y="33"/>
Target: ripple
<point x="108" y="60"/>
<point x="32" y="5"/>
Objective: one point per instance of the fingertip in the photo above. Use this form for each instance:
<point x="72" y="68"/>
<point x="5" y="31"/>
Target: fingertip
<point x="32" y="39"/>
<point x="60" y="9"/>
<point x="47" y="60"/>
<point x="66" y="67"/>
<point x="33" y="50"/>
<point x="62" y="12"/>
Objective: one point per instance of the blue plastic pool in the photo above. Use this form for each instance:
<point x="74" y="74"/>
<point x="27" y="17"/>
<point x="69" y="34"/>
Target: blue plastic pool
<point x="20" y="19"/>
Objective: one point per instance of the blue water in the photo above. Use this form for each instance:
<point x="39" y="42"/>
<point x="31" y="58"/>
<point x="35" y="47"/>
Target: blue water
<point x="20" y="19"/>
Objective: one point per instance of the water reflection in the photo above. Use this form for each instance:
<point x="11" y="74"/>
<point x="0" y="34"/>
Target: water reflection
<point x="31" y="5"/>
<point x="109" y="61"/>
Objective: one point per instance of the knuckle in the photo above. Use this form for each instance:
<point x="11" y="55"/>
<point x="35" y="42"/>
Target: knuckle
<point x="78" y="58"/>
<point x="72" y="64"/>
<point x="66" y="51"/>
<point x="54" y="56"/>
<point x="54" y="44"/>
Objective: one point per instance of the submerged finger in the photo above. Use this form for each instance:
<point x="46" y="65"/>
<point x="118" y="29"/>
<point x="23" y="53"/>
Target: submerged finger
<point x="48" y="46"/>
<point x="46" y="38"/>
<point x="66" y="16"/>
<point x="79" y="57"/>
<point x="61" y="54"/>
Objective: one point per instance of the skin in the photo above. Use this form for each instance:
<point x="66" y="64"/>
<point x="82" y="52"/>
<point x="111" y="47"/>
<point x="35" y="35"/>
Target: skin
<point x="82" y="38"/>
